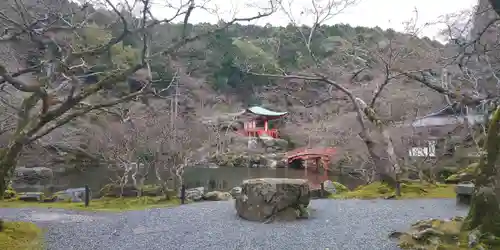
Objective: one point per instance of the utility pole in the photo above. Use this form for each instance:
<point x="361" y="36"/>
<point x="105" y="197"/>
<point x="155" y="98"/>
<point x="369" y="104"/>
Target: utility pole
<point x="176" y="107"/>
<point x="173" y="117"/>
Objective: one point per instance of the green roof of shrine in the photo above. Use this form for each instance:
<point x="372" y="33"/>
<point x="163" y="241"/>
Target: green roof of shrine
<point x="264" y="112"/>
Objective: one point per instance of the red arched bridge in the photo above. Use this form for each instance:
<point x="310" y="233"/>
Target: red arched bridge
<point x="323" y="154"/>
<point x="312" y="157"/>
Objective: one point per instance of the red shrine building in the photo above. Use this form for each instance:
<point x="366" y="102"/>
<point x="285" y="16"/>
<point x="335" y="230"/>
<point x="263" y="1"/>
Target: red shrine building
<point x="261" y="122"/>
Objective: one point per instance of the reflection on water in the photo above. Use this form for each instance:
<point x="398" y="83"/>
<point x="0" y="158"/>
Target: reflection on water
<point x="211" y="178"/>
<point x="96" y="178"/>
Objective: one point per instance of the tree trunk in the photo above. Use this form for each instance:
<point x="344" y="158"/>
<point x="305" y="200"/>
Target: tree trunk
<point x="383" y="154"/>
<point x="381" y="162"/>
<point x="484" y="213"/>
<point x="8" y="162"/>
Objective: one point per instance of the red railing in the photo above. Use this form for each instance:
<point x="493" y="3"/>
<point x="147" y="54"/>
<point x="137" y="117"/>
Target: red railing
<point x="254" y="132"/>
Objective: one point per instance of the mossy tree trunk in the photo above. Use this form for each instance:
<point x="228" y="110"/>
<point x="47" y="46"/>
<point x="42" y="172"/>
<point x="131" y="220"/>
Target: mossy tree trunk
<point x="380" y="161"/>
<point x="383" y="153"/>
<point x="8" y="162"/>
<point x="484" y="213"/>
<point x="25" y="127"/>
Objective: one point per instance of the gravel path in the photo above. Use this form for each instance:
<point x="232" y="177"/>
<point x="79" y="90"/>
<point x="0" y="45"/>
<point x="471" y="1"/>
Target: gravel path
<point x="335" y="224"/>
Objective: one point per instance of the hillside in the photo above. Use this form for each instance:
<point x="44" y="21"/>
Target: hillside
<point x="226" y="63"/>
<point x="220" y="73"/>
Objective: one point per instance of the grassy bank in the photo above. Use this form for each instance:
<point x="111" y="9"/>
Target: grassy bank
<point x="21" y="236"/>
<point x="103" y="204"/>
<point x="442" y="235"/>
<point x="409" y="190"/>
<point x="466" y="174"/>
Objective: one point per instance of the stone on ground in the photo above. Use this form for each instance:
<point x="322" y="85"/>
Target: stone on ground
<point x="465" y="188"/>
<point x="194" y="194"/>
<point x="432" y="234"/>
<point x="71" y="194"/>
<point x="31" y="196"/>
<point x="464" y="192"/>
<point x="273" y="198"/>
<point x="217" y="196"/>
<point x="236" y="191"/>
<point x="330" y="187"/>
<point x="128" y="190"/>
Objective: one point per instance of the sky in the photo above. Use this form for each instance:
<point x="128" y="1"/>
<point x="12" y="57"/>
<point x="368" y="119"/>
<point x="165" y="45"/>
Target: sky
<point x="370" y="13"/>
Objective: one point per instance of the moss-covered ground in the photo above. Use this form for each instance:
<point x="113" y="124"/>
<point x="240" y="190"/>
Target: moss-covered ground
<point x="463" y="174"/>
<point x="438" y="234"/>
<point x="21" y="236"/>
<point x="409" y="190"/>
<point x="340" y="188"/>
<point x="102" y="204"/>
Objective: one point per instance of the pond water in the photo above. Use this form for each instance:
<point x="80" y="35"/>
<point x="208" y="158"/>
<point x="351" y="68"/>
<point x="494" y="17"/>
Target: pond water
<point x="227" y="178"/>
<point x="222" y="179"/>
